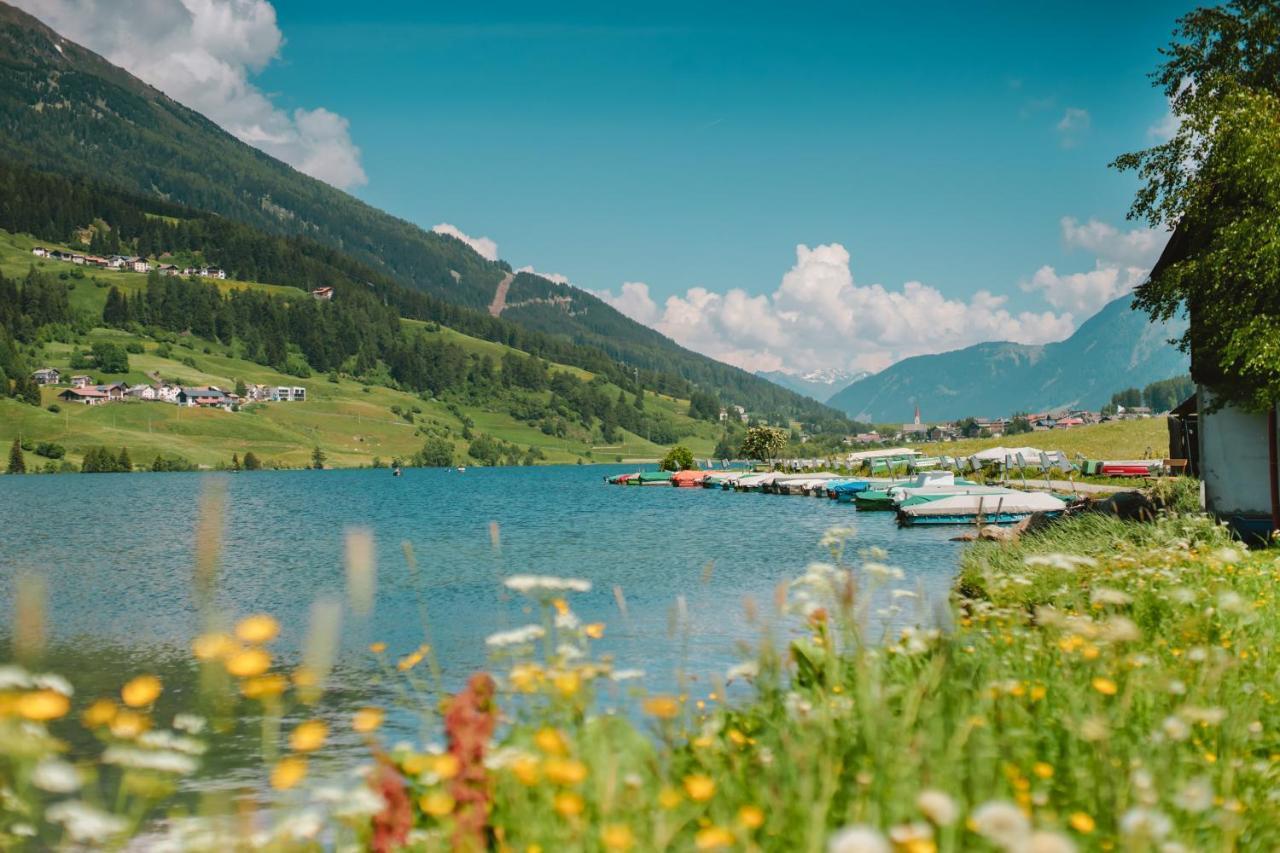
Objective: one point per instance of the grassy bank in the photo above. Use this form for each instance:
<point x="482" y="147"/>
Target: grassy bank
<point x="1131" y="439"/>
<point x="1103" y="685"/>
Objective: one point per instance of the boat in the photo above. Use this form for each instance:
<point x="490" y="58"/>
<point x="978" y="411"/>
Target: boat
<point x="754" y="482"/>
<point x="688" y="479"/>
<point x="1128" y="467"/>
<point x="650" y="478"/>
<point x="619" y="479"/>
<point x="974" y="508"/>
<point x="887" y="497"/>
<point x="844" y="490"/>
<point x="462" y="468"/>
<point x="397" y="472"/>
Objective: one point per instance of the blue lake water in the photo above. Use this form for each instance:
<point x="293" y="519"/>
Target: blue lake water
<point x="117" y="551"/>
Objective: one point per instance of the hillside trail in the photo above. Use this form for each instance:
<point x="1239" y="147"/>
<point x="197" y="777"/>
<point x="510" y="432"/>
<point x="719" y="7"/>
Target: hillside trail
<point x="500" y="296"/>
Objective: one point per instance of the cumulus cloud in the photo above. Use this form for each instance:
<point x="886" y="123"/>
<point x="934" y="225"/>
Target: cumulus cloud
<point x="1075" y="122"/>
<point x="1122" y="261"/>
<point x="819" y="317"/>
<point x="483" y="246"/>
<point x="558" y="278"/>
<point x="203" y="53"/>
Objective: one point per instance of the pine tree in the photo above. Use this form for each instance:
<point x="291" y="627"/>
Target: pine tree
<point x="251" y="462"/>
<point x="317" y="458"/>
<point x="235" y="462"/>
<point x="17" y="464"/>
<point x="123" y="462"/>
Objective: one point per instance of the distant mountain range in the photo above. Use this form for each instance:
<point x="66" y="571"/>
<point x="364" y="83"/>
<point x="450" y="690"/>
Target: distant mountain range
<point x="68" y="111"/>
<point x="819" y="384"/>
<point x="1115" y="349"/>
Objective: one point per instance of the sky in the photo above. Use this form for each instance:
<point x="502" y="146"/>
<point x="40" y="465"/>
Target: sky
<point x="798" y="187"/>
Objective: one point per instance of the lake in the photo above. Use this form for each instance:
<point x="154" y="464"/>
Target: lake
<point x="116" y="552"/>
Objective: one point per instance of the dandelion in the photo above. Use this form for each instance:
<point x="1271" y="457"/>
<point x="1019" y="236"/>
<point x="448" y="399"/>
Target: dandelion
<point x="1001" y="823"/>
<point x="1082" y="823"/>
<point x="1049" y="842"/>
<point x="1042" y="769"/>
<point x="55" y="776"/>
<point x="713" y="838"/>
<point x="436" y="803"/>
<point x="248" y="663"/>
<point x="207" y="647"/>
<point x="515" y="637"/>
<point x="1105" y="686"/>
<point x="85" y="823"/>
<point x="41" y="706"/>
<point x="308" y="736"/>
<point x="526" y="770"/>
<point x="1196" y="796"/>
<point x="551" y="741"/>
<point x="128" y="724"/>
<point x="141" y="691"/>
<point x="568" y="683"/>
<point x="1145" y="823"/>
<point x="669" y="798"/>
<point x="699" y="787"/>
<point x="447" y="766"/>
<point x="594" y="630"/>
<point x="857" y="839"/>
<point x="264" y="686"/>
<point x="1175" y="729"/>
<point x="258" y="629"/>
<point x="378" y="647"/>
<point x="568" y="804"/>
<point x="937" y="806"/>
<point x="565" y="771"/>
<point x="913" y="838"/>
<point x="367" y="720"/>
<point x="751" y="817"/>
<point x="288" y="772"/>
<point x="617" y="836"/>
<point x="99" y="713"/>
<point x="662" y="707"/>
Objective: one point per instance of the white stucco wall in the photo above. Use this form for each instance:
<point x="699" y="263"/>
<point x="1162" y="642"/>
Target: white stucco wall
<point x="1234" y="460"/>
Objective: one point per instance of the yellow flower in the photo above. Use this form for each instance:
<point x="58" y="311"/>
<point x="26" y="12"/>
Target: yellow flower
<point x="447" y="765"/>
<point x="751" y="817"/>
<point x="410" y="660"/>
<point x="1082" y="823"/>
<point x="713" y="838"/>
<point x="662" y="707"/>
<point x="141" y="691"/>
<point x="594" y="630"/>
<point x="288" y="772"/>
<point x="309" y="736"/>
<point x="525" y="769"/>
<point x="699" y="787"/>
<point x="617" y="836"/>
<point x="367" y="720"/>
<point x="669" y="798"/>
<point x="551" y="742"/>
<point x="1043" y="770"/>
<point x="415" y="764"/>
<point x="737" y="737"/>
<point x="1038" y="692"/>
<point x="259" y="628"/>
<point x="565" y="771"/>
<point x="208" y="647"/>
<point x="377" y="648"/>
<point x="43" y="705"/>
<point x="99" y="713"/>
<point x="567" y="683"/>
<point x="129" y="724"/>
<point x="525" y="676"/>
<point x="271" y="684"/>
<point x="569" y="804"/>
<point x="436" y="803"/>
<point x="561" y="606"/>
<point x="1105" y="686"/>
<point x="248" y="663"/>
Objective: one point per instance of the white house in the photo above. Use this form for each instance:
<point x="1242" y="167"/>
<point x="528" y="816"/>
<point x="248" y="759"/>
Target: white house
<point x="80" y="380"/>
<point x="167" y="393"/>
<point x="142" y="392"/>
<point x="140" y="265"/>
<point x="323" y="293"/>
<point x="40" y="252"/>
<point x="212" y="272"/>
<point x="287" y="394"/>
<point x="46" y="376"/>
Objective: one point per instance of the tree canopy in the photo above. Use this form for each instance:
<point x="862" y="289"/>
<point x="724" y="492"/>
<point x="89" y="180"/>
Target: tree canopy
<point x="678" y="458"/>
<point x="763" y="443"/>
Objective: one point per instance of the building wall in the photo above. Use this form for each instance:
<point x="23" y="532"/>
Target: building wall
<point x="1234" y="460"/>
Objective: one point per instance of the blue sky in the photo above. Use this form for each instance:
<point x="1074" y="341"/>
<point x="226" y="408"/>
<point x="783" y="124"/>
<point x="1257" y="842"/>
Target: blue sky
<point x="696" y="146"/>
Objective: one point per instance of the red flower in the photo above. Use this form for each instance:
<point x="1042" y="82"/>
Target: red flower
<point x="469" y="723"/>
<point x="391" y="825"/>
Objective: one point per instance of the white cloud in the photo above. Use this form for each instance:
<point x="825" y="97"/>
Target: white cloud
<point x="1122" y="261"/>
<point x="1084" y="292"/>
<point x="558" y="278"/>
<point x="203" y="53"/>
<point x="484" y="247"/>
<point x="1075" y="122"/>
<point x="818" y="317"/>
<point x="1139" y="247"/>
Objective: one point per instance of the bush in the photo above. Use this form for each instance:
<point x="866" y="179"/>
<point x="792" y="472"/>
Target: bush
<point x="49" y="450"/>
<point x="134" y="348"/>
<point x="678" y="458"/>
<point x="435" y="453"/>
<point x="54" y="407"/>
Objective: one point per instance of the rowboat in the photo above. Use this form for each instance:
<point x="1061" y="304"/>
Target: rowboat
<point x="887" y="498"/>
<point x="1128" y="467"/>
<point x="844" y="490"/>
<point x="688" y="479"/>
<point x="969" y="509"/>
<point x="650" y="478"/>
<point x="754" y="482"/>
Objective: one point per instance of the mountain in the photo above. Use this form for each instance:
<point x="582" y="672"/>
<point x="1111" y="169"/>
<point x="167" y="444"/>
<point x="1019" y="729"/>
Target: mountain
<point x="1117" y="348"/>
<point x="819" y="384"/>
<point x="66" y="110"/>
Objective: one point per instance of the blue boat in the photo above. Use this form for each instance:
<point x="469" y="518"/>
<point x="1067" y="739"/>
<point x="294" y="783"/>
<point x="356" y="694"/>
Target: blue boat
<point x="844" y="490"/>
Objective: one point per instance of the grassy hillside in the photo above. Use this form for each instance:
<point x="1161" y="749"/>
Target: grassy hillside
<point x="1113" y="440"/>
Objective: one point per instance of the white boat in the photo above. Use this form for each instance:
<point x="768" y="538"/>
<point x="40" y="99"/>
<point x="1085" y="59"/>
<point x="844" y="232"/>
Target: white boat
<point x="968" y="509"/>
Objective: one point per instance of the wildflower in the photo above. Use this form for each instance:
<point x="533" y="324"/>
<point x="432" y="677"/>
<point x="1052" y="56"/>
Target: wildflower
<point x="42" y="705"/>
<point x="54" y="682"/>
<point x="627" y="674"/>
<point x="85" y="823"/>
<point x="662" y="707"/>
<point x="308" y="736"/>
<point x="1196" y="796"/>
<point x="164" y="761"/>
<point x="515" y="637"/>
<point x="594" y="630"/>
<point x="436" y="803"/>
<point x="568" y="804"/>
<point x="129" y="724"/>
<point x="913" y="838"/>
<point x="447" y="766"/>
<point x="1145" y="823"/>
<point x="857" y="839"/>
<point x="545" y="583"/>
<point x="567" y="683"/>
<point x="699" y="787"/>
<point x="1226" y="555"/>
<point x="746" y="671"/>
<point x="1175" y="729"/>
<point x="169" y="740"/>
<point x="259" y="628"/>
<point x="1107" y="596"/>
<point x="1082" y="823"/>
<point x="189" y="723"/>
<point x="937" y="806"/>
<point x="882" y="572"/>
<point x="551" y="741"/>
<point x="367" y="720"/>
<point x="1042" y="769"/>
<point x="617" y="836"/>
<point x="524" y="677"/>
<point x="99" y="713"/>
<point x="288" y="772"/>
<point x="1001" y="823"/>
<point x="669" y="798"/>
<point x="1049" y="842"/>
<point x="55" y="776"/>
<point x="751" y="817"/>
<point x="264" y="686"/>
<point x="713" y="838"/>
<point x="14" y="678"/>
<point x="1105" y="686"/>
<point x="526" y="770"/>
<point x="209" y="647"/>
<point x="378" y="647"/>
<point x="141" y="691"/>
<point x="565" y="771"/>
<point x="248" y="663"/>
